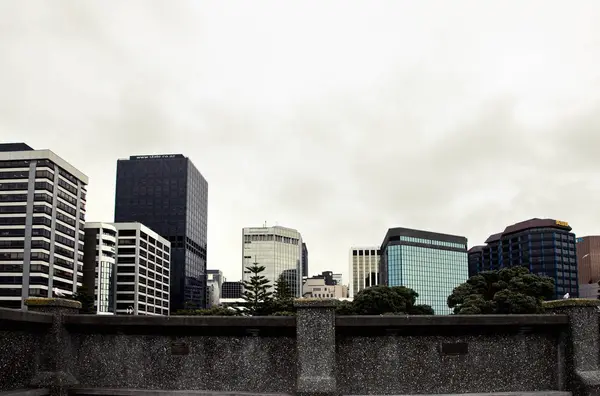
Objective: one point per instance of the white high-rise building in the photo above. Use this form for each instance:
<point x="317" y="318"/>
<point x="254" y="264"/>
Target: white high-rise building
<point x="279" y="250"/>
<point x="364" y="268"/>
<point x="127" y="266"/>
<point x="99" y="265"/>
<point x="42" y="218"/>
<point x="143" y="271"/>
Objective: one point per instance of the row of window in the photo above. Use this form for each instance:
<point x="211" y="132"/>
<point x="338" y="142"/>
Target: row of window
<point x="142" y="272"/>
<point x="270" y="238"/>
<point x="433" y="242"/>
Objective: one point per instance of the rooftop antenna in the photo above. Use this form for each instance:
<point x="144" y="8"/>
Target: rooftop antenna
<point x="265" y="224"/>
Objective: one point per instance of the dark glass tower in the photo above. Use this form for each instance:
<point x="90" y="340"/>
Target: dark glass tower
<point x="545" y="246"/>
<point x="170" y="196"/>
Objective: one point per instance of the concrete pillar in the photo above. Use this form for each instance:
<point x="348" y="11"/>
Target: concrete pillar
<point x="582" y="358"/>
<point x="315" y="338"/>
<point x="53" y="367"/>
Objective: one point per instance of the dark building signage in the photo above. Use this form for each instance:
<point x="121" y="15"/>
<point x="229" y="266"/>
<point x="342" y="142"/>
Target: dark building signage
<point x="139" y="157"/>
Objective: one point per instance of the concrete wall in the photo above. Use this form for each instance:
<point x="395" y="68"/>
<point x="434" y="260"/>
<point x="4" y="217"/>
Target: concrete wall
<point x="452" y="354"/>
<point x="222" y="354"/>
<point x="313" y="353"/>
<point x="21" y="338"/>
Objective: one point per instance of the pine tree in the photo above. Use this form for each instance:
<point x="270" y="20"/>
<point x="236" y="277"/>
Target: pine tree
<point x="282" y="290"/>
<point x="256" y="290"/>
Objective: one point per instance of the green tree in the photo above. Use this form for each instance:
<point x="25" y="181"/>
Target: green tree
<point x="345" y="308"/>
<point x="282" y="290"/>
<point x="215" y="311"/>
<point x="86" y="299"/>
<point x="256" y="293"/>
<point x="511" y="290"/>
<point x="380" y="300"/>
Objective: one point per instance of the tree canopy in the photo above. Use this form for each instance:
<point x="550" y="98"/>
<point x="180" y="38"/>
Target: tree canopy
<point x="86" y="298"/>
<point x="380" y="300"/>
<point x="214" y="311"/>
<point x="282" y="289"/>
<point x="511" y="290"/>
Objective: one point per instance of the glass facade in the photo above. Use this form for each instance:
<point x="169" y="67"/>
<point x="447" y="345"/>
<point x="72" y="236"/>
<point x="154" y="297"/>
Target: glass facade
<point x="170" y="196"/>
<point x="106" y="292"/>
<point x="433" y="273"/>
<point x="545" y="246"/>
<point x="429" y="263"/>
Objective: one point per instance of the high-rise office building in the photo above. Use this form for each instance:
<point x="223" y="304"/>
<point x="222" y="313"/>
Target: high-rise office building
<point x="545" y="246"/>
<point x="99" y="265"/>
<point x="231" y="290"/>
<point x="304" y="260"/>
<point x="143" y="270"/>
<point x="430" y="263"/>
<point x="279" y="250"/>
<point x="364" y="268"/>
<point x="588" y="259"/>
<point x="42" y="217"/>
<point x="588" y="265"/>
<point x="169" y="195"/>
<point x="127" y="265"/>
<point x="214" y="279"/>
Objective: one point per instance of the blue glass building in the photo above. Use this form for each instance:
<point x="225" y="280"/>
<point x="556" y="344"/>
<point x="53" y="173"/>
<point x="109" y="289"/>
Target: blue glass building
<point x="170" y="196"/>
<point x="545" y="246"/>
<point x="430" y="263"/>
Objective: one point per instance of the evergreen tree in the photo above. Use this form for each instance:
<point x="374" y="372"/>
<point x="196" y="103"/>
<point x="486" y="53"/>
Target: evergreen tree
<point x="512" y="290"/>
<point x="256" y="293"/>
<point x="282" y="290"/>
<point x="86" y="299"/>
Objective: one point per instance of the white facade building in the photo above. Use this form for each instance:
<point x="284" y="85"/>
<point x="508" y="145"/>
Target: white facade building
<point x="99" y="265"/>
<point x="364" y="268"/>
<point x="279" y="250"/>
<point x="338" y="279"/>
<point x="42" y="217"/>
<point x="143" y="271"/>
<point x="316" y="287"/>
<point x="214" y="284"/>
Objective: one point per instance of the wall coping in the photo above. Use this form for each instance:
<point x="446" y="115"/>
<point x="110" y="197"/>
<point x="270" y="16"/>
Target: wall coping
<point x="52" y="302"/>
<point x="180" y="321"/>
<point x="160" y="392"/>
<point x="315" y="303"/>
<point x="451" y="320"/>
<point x="17" y="315"/>
<point x="572" y="302"/>
<point x="26" y="392"/>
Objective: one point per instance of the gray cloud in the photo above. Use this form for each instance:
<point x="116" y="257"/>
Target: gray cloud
<point x="339" y="124"/>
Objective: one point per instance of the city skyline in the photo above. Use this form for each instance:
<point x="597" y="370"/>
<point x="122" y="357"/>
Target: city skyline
<point x="304" y="127"/>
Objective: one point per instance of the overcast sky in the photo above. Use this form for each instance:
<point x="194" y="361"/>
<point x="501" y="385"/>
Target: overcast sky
<point x="337" y="118"/>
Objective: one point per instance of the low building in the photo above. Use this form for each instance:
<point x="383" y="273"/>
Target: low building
<point x="338" y="279"/>
<point x="324" y="286"/>
<point x="214" y="283"/>
<point x="231" y="293"/>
